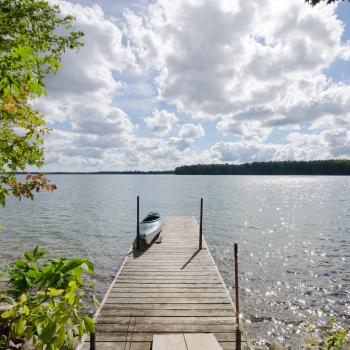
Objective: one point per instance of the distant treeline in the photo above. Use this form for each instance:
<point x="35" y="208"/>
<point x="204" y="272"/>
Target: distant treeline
<point x="127" y="172"/>
<point x="314" y="167"/>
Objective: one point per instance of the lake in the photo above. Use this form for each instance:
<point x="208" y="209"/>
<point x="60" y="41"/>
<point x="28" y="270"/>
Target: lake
<point x="293" y="234"/>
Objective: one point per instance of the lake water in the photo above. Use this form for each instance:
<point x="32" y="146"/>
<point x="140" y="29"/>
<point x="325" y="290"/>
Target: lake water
<point x="293" y="234"/>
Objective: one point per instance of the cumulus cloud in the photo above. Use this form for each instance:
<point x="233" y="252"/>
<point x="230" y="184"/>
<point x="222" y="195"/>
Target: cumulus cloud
<point x="161" y="122"/>
<point x="191" y="131"/>
<point x="80" y="102"/>
<point x="180" y="143"/>
<point x="247" y="61"/>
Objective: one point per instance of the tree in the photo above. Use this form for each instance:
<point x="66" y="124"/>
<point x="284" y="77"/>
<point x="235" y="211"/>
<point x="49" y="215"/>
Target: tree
<point x="33" y="37"/>
<point x="315" y="2"/>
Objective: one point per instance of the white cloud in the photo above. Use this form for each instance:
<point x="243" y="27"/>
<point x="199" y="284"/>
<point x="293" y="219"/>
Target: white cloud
<point x="84" y="87"/>
<point x="80" y="97"/>
<point x="191" y="131"/>
<point x="345" y="52"/>
<point x="180" y="143"/>
<point x="161" y="122"/>
<point x="241" y="152"/>
<point x="250" y="60"/>
<point x="249" y="130"/>
<point x="115" y="122"/>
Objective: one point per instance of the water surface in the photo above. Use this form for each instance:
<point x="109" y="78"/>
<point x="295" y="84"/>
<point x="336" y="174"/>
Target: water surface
<point x="293" y="234"/>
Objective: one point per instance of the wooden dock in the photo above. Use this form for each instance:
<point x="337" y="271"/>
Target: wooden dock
<point x="168" y="288"/>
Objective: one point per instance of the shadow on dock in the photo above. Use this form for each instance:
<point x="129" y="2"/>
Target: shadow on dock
<point x="190" y="259"/>
<point x="144" y="247"/>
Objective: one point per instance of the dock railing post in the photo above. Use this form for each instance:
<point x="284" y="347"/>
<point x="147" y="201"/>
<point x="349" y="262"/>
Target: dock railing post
<point x="92" y="341"/>
<point x="238" y="330"/>
<point x="138" y="224"/>
<point x="92" y="337"/>
<point x="201" y="226"/>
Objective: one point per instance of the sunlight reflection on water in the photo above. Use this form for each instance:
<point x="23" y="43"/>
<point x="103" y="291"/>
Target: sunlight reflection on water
<point x="293" y="235"/>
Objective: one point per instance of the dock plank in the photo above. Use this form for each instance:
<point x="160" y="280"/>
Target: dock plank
<point x="169" y="342"/>
<point x="170" y="288"/>
<point x="201" y="342"/>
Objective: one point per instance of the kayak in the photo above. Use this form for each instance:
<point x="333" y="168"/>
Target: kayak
<point x="151" y="226"/>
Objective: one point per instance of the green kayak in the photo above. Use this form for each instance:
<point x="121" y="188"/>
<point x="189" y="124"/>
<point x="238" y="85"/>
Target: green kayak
<point x="151" y="226"/>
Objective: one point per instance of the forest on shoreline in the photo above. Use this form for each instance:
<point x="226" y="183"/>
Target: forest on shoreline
<point x="314" y="167"/>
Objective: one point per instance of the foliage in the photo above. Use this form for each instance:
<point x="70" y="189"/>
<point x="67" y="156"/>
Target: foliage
<point x="335" y="337"/>
<point x="46" y="301"/>
<point x="315" y="2"/>
<point x="315" y="167"/>
<point x="33" y="36"/>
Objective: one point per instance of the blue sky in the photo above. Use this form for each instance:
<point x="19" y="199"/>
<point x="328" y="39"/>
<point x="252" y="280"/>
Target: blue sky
<point x="164" y="83"/>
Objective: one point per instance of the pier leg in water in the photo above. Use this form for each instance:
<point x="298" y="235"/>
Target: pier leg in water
<point x="238" y="330"/>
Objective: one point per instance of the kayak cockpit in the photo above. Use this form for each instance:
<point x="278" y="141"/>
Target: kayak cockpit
<point x="151" y="216"/>
<point x="151" y="226"/>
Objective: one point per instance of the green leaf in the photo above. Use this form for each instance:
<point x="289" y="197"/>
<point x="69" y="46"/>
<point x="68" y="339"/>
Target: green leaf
<point x="55" y="292"/>
<point x="28" y="255"/>
<point x="48" y="333"/>
<point x="72" y="264"/>
<point x="70" y="338"/>
<point x="18" y="327"/>
<point x="70" y="297"/>
<point x="21" y="264"/>
<point x="38" y="253"/>
<point x="8" y="314"/>
<point x="89" y="324"/>
<point x="26" y="310"/>
<point x="23" y="298"/>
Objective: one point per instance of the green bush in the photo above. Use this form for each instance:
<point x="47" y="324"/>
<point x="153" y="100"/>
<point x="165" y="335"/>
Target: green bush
<point x="46" y="303"/>
<point x="334" y="338"/>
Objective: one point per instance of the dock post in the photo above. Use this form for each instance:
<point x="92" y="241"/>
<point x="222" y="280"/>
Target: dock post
<point x="138" y="224"/>
<point x="92" y="336"/>
<point x="201" y="226"/>
<point x="92" y="341"/>
<point x="238" y="330"/>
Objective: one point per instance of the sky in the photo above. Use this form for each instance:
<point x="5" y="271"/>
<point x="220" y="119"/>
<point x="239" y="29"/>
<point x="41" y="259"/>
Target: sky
<point x="164" y="83"/>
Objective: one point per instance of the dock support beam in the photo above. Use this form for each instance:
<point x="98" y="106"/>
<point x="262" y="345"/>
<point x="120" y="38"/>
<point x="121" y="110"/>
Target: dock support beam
<point x="201" y="226"/>
<point x="92" y="336"/>
<point x="92" y="341"/>
<point x="138" y="224"/>
<point x="238" y="330"/>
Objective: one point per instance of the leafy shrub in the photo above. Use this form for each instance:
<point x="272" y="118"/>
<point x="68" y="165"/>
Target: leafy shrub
<point x="46" y="301"/>
<point x="335" y="338"/>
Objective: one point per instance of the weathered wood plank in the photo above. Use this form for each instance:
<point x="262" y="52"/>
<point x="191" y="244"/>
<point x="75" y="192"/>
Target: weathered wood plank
<point x="168" y="290"/>
<point x="208" y="274"/>
<point x="169" y="285"/>
<point x="167" y="280"/>
<point x="169" y="269"/>
<point x="165" y="328"/>
<point x="128" y="306"/>
<point x="201" y="342"/>
<point x="169" y="342"/>
<point x="144" y="337"/>
<point x="159" y="294"/>
<point x="165" y="320"/>
<point x="176" y="300"/>
<point x="122" y="345"/>
<point x="165" y="313"/>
